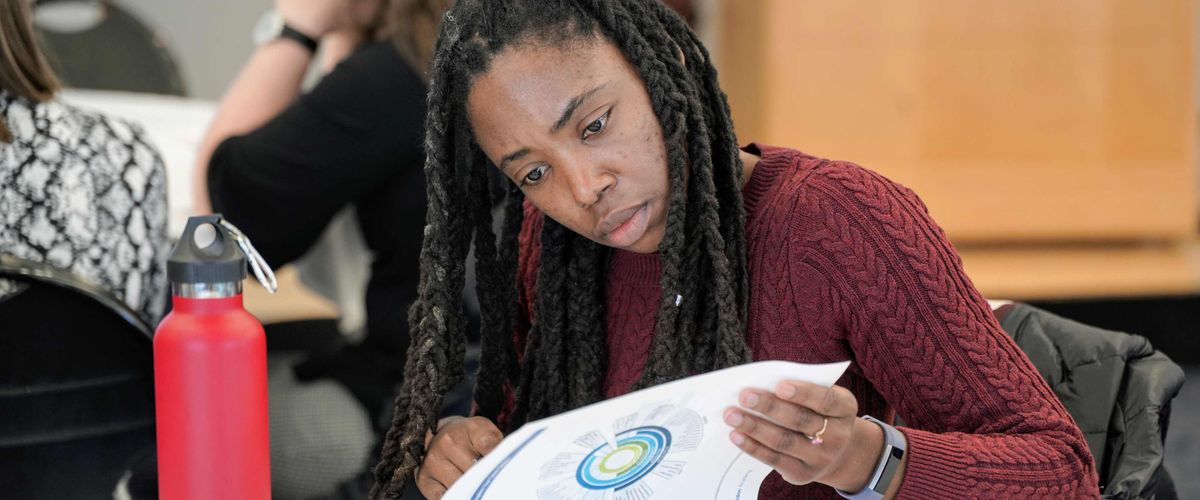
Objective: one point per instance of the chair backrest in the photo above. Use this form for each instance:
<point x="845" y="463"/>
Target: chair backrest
<point x="112" y="50"/>
<point x="76" y="385"/>
<point x="1116" y="387"/>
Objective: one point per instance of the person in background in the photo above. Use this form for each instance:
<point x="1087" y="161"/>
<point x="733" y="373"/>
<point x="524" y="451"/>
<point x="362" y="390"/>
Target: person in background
<point x="78" y="190"/>
<point x="280" y="164"/>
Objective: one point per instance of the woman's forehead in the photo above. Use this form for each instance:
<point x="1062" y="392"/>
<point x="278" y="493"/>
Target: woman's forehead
<point x="535" y="81"/>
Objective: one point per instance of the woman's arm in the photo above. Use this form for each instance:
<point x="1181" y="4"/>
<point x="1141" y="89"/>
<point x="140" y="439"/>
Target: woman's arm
<point x="979" y="417"/>
<point x="269" y="82"/>
<point x="357" y="133"/>
<point x="271" y="79"/>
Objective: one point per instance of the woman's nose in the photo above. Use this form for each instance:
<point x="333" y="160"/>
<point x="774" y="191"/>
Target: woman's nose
<point x="588" y="183"/>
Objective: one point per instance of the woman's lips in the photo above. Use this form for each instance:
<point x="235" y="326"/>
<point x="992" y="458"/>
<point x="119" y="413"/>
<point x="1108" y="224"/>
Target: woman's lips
<point x="625" y="227"/>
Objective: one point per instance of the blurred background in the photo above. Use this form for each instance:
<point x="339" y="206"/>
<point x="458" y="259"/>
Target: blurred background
<point x="1055" y="142"/>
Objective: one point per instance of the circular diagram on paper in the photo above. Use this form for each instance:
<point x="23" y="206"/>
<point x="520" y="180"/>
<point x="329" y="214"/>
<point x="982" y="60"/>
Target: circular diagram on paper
<point x="637" y="452"/>
<point x="643" y="453"/>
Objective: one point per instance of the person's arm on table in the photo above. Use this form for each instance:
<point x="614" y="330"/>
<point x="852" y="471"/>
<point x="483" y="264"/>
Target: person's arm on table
<point x="271" y="79"/>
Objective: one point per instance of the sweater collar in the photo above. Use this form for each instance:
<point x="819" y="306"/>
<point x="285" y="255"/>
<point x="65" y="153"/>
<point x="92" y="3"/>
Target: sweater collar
<point x="772" y="161"/>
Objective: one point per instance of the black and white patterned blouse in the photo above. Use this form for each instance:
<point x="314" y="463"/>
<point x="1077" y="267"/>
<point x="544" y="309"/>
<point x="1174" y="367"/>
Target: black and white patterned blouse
<point x="85" y="193"/>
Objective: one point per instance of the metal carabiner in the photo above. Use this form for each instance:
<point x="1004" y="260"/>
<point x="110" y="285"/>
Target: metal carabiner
<point x="261" y="269"/>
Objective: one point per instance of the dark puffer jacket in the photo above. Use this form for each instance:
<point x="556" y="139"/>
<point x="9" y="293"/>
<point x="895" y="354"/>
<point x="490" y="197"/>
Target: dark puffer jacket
<point x="1115" y="385"/>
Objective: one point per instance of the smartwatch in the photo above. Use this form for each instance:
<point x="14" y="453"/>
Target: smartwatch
<point x="889" y="462"/>
<point x="272" y="27"/>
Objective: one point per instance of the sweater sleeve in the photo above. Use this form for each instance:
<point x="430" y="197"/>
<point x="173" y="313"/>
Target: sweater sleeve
<point x="360" y="126"/>
<point x="979" y="417"/>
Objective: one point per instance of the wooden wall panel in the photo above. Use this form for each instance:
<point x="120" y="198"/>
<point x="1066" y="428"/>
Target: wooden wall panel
<point x="1021" y="120"/>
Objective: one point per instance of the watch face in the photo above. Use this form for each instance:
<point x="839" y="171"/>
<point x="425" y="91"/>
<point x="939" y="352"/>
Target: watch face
<point x="268" y="28"/>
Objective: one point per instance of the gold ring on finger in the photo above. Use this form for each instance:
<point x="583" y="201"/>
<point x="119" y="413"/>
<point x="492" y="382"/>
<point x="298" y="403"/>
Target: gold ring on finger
<point x="815" y="439"/>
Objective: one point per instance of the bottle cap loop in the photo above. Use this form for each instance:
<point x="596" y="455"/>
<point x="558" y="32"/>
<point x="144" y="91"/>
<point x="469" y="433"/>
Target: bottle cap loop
<point x="222" y="260"/>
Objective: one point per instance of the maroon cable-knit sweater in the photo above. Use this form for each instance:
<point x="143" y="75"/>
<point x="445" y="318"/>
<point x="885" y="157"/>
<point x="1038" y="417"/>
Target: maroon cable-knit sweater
<point x="845" y="264"/>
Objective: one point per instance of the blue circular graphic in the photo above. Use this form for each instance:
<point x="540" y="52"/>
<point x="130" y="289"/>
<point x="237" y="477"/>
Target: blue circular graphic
<point x="637" y="452"/>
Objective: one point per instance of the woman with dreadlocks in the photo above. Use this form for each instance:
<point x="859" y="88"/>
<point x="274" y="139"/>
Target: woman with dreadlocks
<point x="640" y="245"/>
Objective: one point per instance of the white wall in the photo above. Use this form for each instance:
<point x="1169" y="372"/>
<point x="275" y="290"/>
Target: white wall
<point x="211" y="39"/>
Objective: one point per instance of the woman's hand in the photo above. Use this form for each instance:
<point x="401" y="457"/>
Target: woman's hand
<point x="808" y="433"/>
<point x="317" y="18"/>
<point x="458" y="444"/>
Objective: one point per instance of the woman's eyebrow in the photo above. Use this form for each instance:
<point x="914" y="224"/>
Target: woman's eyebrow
<point x="568" y="111"/>
<point x="573" y="105"/>
<point x="513" y="156"/>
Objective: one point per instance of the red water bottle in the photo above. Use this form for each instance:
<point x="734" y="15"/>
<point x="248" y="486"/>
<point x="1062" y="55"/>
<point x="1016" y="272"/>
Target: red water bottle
<point x="210" y="372"/>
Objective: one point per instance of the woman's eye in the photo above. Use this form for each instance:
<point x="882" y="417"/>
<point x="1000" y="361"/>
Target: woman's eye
<point x="596" y="126"/>
<point x="534" y="175"/>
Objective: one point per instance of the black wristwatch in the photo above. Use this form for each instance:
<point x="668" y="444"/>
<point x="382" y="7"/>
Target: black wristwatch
<point x="889" y="462"/>
<point x="272" y="27"/>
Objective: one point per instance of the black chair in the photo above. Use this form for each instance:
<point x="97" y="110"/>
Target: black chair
<point x="1116" y="387"/>
<point x="76" y="385"/>
<point x="95" y="44"/>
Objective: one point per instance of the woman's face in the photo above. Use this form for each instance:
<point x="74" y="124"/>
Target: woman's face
<point x="575" y="129"/>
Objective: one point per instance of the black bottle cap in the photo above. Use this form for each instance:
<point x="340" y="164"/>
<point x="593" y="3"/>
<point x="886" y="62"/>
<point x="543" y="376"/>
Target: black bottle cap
<point x="220" y="261"/>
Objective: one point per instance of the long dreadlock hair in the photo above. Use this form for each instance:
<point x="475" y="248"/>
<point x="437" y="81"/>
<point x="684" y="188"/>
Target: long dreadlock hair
<point x="699" y="324"/>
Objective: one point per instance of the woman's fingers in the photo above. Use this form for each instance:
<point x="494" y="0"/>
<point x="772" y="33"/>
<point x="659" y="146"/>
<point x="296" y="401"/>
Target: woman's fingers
<point x="430" y="489"/>
<point x="785" y="413"/>
<point x="783" y="440"/>
<point x="461" y="457"/>
<point x="483" y="434"/>
<point x="453" y="450"/>
<point x="436" y="475"/>
<point x="836" y="401"/>
<point x="792" y="469"/>
<point x="462" y="442"/>
<point x="800" y="429"/>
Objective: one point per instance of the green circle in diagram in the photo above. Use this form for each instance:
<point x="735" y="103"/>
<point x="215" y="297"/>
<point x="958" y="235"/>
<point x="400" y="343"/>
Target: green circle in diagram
<point x="623" y="458"/>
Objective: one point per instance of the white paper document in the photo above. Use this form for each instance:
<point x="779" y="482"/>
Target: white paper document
<point x="668" y="441"/>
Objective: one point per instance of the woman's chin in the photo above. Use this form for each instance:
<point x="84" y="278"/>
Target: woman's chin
<point x="648" y="243"/>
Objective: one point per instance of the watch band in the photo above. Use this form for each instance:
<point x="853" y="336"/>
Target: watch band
<point x="889" y="461"/>
<point x="305" y="40"/>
